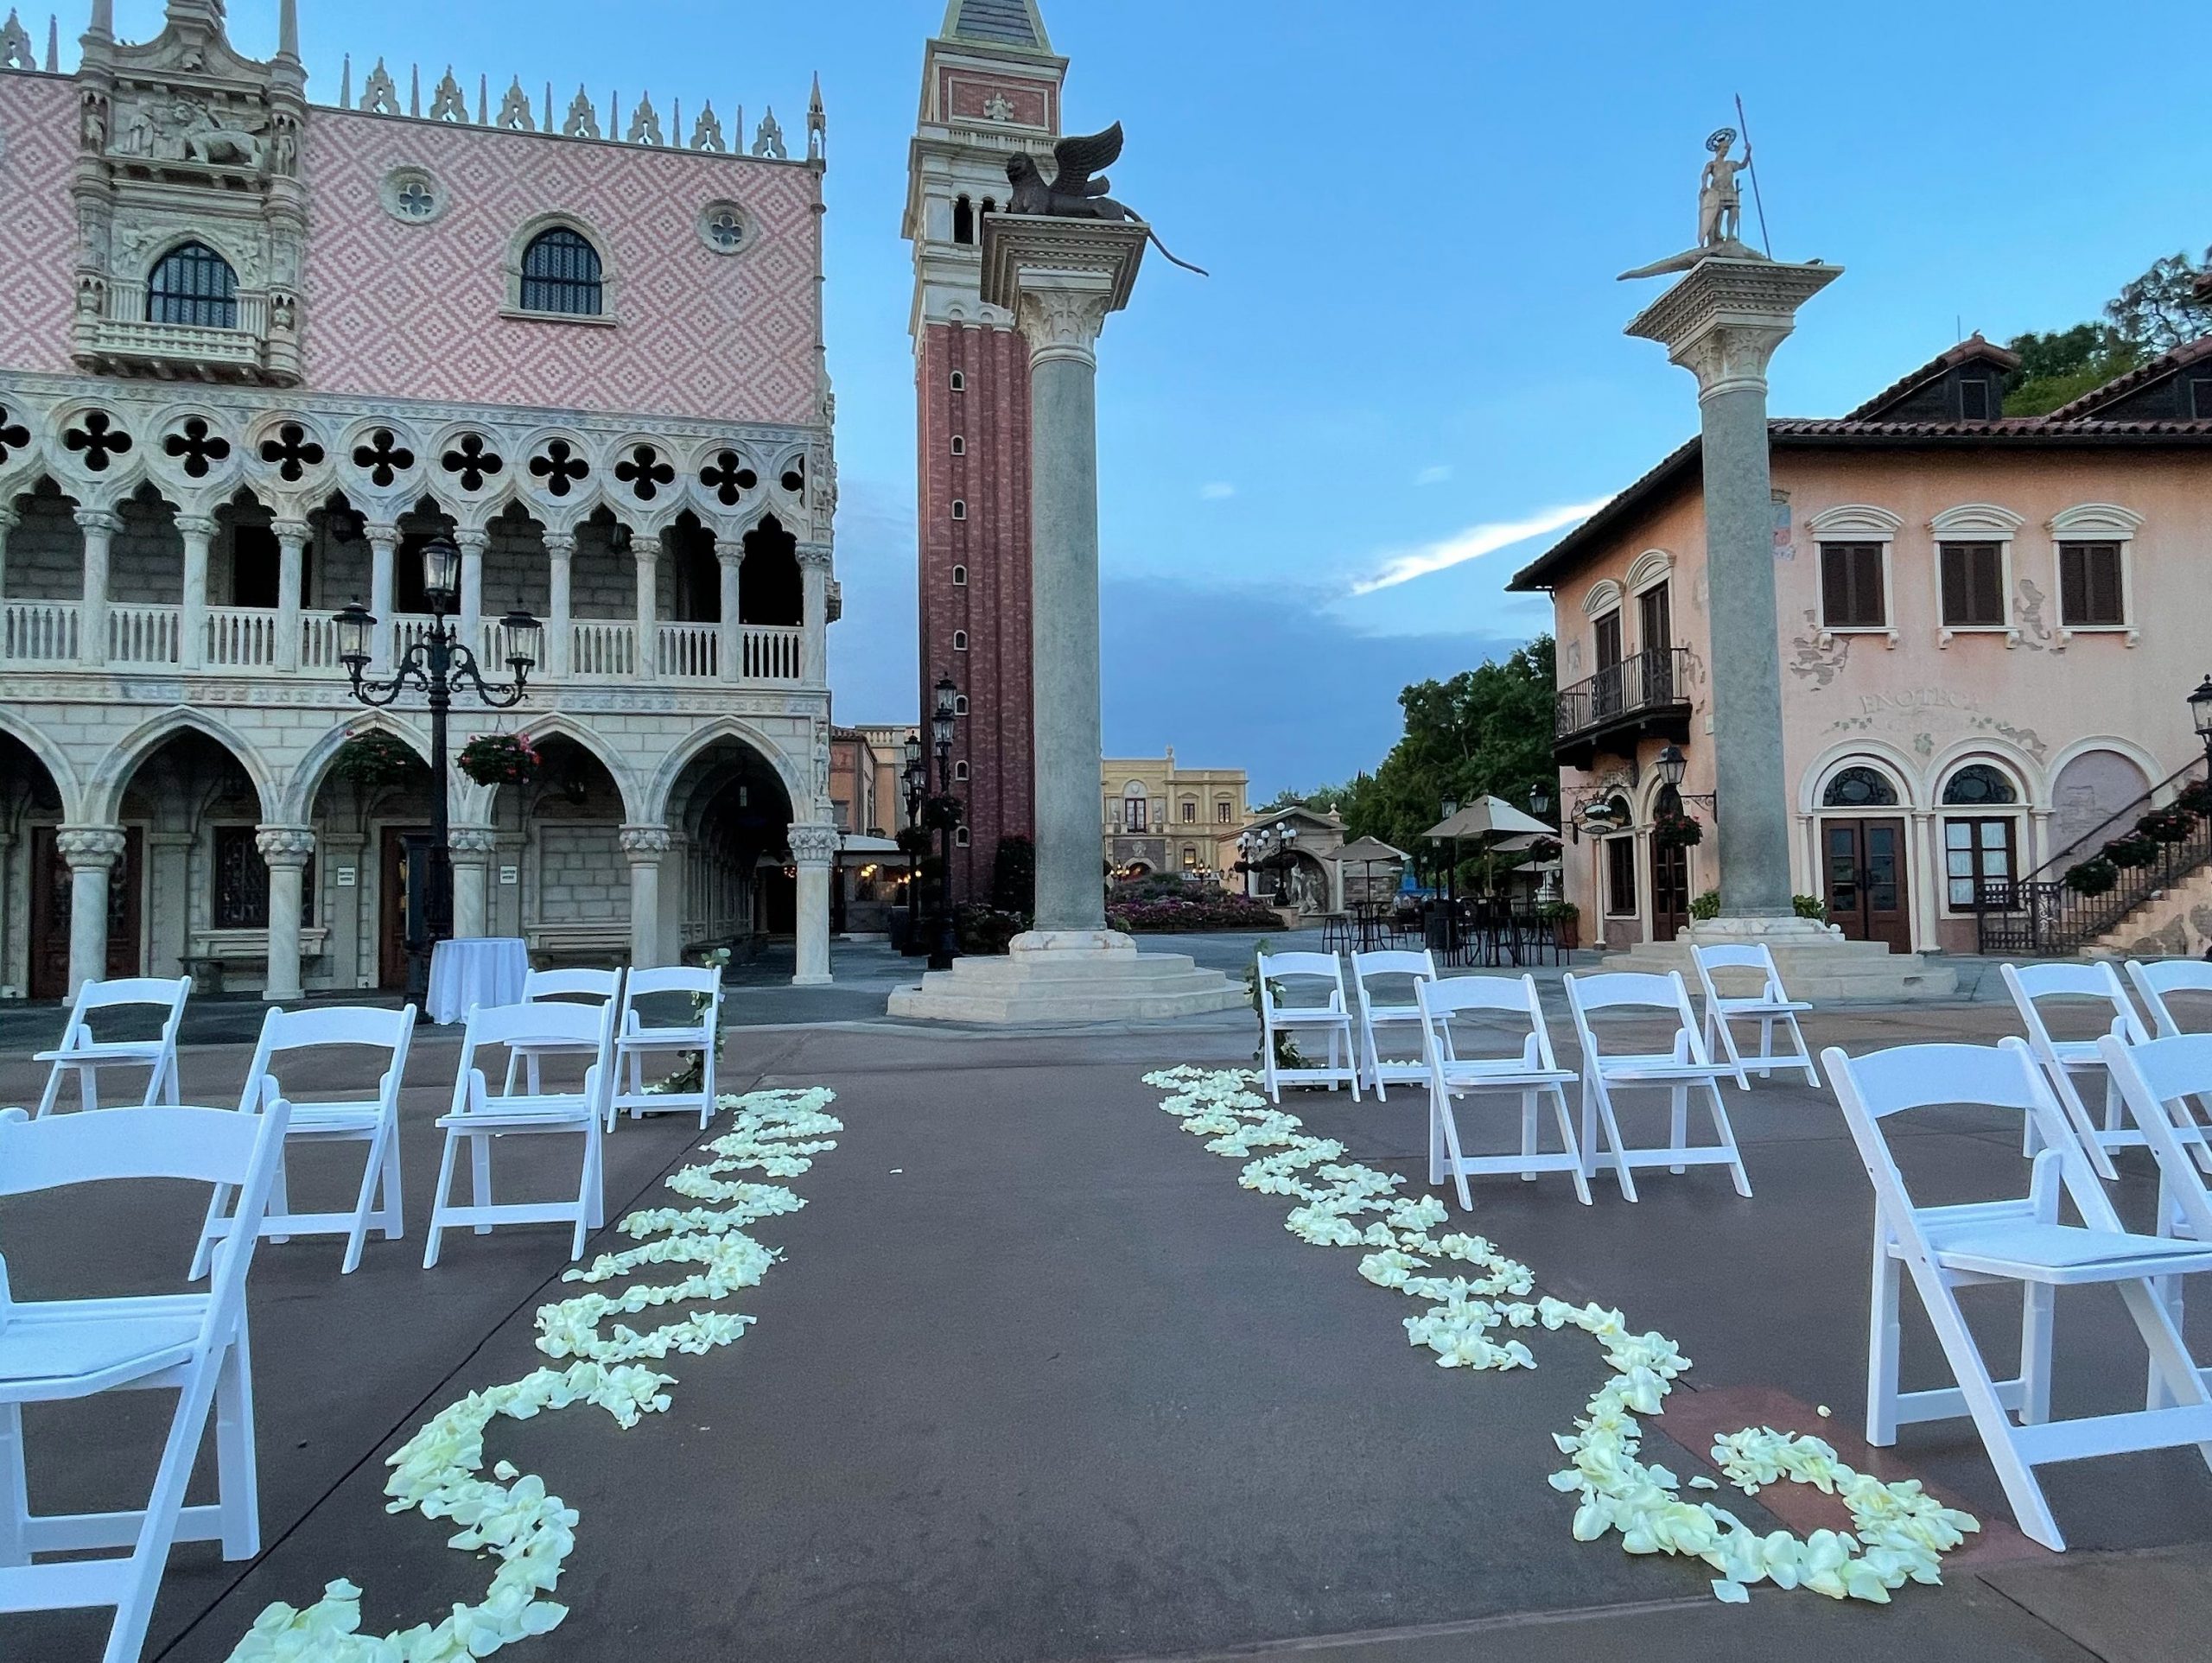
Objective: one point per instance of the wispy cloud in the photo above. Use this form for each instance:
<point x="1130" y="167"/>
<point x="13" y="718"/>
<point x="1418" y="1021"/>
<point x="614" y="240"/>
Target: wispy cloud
<point x="1216" y="490"/>
<point x="1435" y="474"/>
<point x="1472" y="544"/>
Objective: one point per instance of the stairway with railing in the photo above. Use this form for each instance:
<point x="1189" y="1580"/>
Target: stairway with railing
<point x="2041" y="916"/>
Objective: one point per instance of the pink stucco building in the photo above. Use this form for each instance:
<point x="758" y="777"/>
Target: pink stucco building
<point x="1989" y="628"/>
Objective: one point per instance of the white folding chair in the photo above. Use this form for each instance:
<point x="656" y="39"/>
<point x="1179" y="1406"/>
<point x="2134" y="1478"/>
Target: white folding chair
<point x="1526" y="1067"/>
<point x="1330" y="1019"/>
<point x="2065" y="1062"/>
<point x="2158" y="982"/>
<point x="1682" y="1067"/>
<point x="580" y="987"/>
<point x="1769" y="1008"/>
<point x="373" y="1121"/>
<point x="636" y="1038"/>
<point x="1374" y="1013"/>
<point x="2016" y="1241"/>
<point x="81" y="1056"/>
<point x="2163" y="1082"/>
<point x="479" y="1119"/>
<point x="192" y="1343"/>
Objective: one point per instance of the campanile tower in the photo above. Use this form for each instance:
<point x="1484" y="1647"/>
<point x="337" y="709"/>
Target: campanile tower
<point x="990" y="86"/>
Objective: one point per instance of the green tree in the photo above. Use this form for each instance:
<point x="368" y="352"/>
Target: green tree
<point x="2162" y="309"/>
<point x="2167" y="307"/>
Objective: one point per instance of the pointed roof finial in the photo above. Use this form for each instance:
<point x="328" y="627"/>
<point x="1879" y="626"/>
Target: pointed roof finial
<point x="1014" y="23"/>
<point x="102" y="27"/>
<point x="345" y="83"/>
<point x="53" y="44"/>
<point x="287" y="30"/>
<point x="415" y="91"/>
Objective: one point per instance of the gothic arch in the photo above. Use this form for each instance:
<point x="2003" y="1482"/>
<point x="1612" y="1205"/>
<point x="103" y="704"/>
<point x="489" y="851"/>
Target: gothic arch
<point x="103" y="798"/>
<point x="655" y="800"/>
<point x="1879" y="754"/>
<point x="55" y="763"/>
<point x="305" y="782"/>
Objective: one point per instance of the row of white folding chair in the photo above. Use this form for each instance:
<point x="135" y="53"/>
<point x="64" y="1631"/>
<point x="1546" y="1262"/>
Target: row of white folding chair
<point x="79" y="1056"/>
<point x="1683" y="1068"/>
<point x="1459" y="1064"/>
<point x="1330" y="1021"/>
<point x="194" y="1345"/>
<point x="1771" y="1007"/>
<point x="2067" y="1063"/>
<point x="2021" y="1241"/>
<point x="1378" y="1011"/>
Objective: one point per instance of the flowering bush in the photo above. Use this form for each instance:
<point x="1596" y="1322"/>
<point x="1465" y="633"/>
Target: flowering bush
<point x="1810" y="906"/>
<point x="1705" y="904"/>
<point x="1221" y="913"/>
<point x="2196" y="797"/>
<point x="942" y="812"/>
<point x="374" y="758"/>
<point x="500" y="759"/>
<point x="2094" y="876"/>
<point x="2166" y="825"/>
<point x="985" y="931"/>
<point x="2128" y="852"/>
<point x="1672" y="829"/>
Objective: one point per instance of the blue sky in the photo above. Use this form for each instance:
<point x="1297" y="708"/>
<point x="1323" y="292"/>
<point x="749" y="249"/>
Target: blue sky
<point x="1410" y="347"/>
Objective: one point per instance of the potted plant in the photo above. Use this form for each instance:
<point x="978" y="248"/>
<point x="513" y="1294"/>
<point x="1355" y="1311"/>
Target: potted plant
<point x="2130" y="851"/>
<point x="1810" y="906"/>
<point x="2196" y="797"/>
<point x="1565" y="920"/>
<point x="2166" y="825"/>
<point x="942" y="811"/>
<point x="1672" y="829"/>
<point x="1706" y="906"/>
<point x="374" y="758"/>
<point x="500" y="759"/>
<point x="2094" y="876"/>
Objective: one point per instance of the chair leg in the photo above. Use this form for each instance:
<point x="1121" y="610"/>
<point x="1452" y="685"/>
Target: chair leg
<point x="1678" y="1122"/>
<point x="157" y="1529"/>
<point x="1595" y="1094"/>
<point x="392" y="1218"/>
<point x="1726" y="1134"/>
<point x="1529" y="1129"/>
<point x="280" y="1203"/>
<point x="1812" y="1074"/>
<point x="15" y="1493"/>
<point x="1267" y="1064"/>
<point x="1883" y="1341"/>
<point x="2170" y="1357"/>
<point x="479" y="1177"/>
<point x="47" y="1097"/>
<point x="594" y="1152"/>
<point x="238" y="1472"/>
<point x="1351" y="1066"/>
<point x="2038" y="1306"/>
<point x="373" y="1170"/>
<point x="2077" y="1112"/>
<point x="438" y="1202"/>
<point x="1568" y="1143"/>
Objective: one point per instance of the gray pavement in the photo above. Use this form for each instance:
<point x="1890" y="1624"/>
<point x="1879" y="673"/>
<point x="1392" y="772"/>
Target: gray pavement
<point x="1038" y="1382"/>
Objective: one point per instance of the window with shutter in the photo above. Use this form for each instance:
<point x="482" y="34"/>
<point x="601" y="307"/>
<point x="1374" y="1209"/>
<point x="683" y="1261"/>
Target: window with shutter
<point x="1973" y="585"/>
<point x="1851" y="585"/>
<point x="2089" y="589"/>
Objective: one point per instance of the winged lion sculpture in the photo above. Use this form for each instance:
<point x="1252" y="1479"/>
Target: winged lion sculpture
<point x="1073" y="193"/>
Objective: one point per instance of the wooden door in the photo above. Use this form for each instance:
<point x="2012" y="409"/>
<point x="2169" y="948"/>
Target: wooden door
<point x="396" y="878"/>
<point x="1867" y="880"/>
<point x="1655" y="621"/>
<point x="1670" y="892"/>
<point x="1605" y="687"/>
<point x="50" y="909"/>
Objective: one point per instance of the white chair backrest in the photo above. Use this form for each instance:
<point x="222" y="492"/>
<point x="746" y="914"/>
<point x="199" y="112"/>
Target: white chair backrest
<point x="365" y="1025"/>
<point x="1507" y="995"/>
<point x="1396" y="961"/>
<point x="1753" y="956"/>
<point x="169" y="994"/>
<point x="2029" y="984"/>
<point x="598" y="985"/>
<point x="2151" y="1076"/>
<point x="2004" y="1076"/>
<point x="2159" y="980"/>
<point x="1287" y="967"/>
<point x="203" y="1146"/>
<point x="675" y="979"/>
<point x="591" y="1026"/>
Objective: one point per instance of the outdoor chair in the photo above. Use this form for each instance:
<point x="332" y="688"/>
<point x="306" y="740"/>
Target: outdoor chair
<point x="636" y="1040"/>
<point x="582" y="987"/>
<point x="81" y="1056"/>
<point x="1684" y="1066"/>
<point x="374" y="1121"/>
<point x="2158" y="982"/>
<point x="2065" y="1062"/>
<point x="1329" y="1021"/>
<point x="1528" y="1070"/>
<point x="1337" y="934"/>
<point x="2009" y="1242"/>
<point x="1771" y="1006"/>
<point x="1375" y="1069"/>
<point x="479" y="1119"/>
<point x="194" y="1345"/>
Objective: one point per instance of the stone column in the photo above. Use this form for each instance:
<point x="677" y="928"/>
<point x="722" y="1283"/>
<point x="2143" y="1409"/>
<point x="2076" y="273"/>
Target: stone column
<point x="287" y="849"/>
<point x="383" y="545"/>
<point x="342" y="850"/>
<point x="560" y="549"/>
<point x="646" y="551"/>
<point x="814" y="850"/>
<point x="100" y="526"/>
<point x="729" y="555"/>
<point x="471" y="543"/>
<point x="175" y="904"/>
<point x="91" y="853"/>
<point x="1722" y="322"/>
<point x="7" y="524"/>
<point x="198" y="531"/>
<point x="472" y="848"/>
<point x="814" y="615"/>
<point x="291" y="566"/>
<point x="645" y="846"/>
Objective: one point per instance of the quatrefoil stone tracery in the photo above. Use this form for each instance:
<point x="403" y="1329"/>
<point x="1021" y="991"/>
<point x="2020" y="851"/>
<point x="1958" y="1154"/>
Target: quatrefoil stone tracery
<point x="559" y="468"/>
<point x="383" y="458"/>
<point x="472" y="460"/>
<point x="13" y="435"/>
<point x="794" y="478"/>
<point x="728" y="477"/>
<point x="291" y="453"/>
<point x="644" y="472"/>
<point x="98" y="438"/>
<point x="199" y="449"/>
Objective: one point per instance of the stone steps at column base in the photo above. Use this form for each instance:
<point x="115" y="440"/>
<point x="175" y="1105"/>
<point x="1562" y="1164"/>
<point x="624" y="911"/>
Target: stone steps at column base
<point x="1069" y="987"/>
<point x="1836" y="971"/>
<point x="2177" y="923"/>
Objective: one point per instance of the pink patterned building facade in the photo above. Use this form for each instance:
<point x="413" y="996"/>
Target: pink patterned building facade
<point x="256" y="354"/>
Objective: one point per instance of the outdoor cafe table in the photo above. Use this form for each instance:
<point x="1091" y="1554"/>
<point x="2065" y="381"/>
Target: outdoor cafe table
<point x="487" y="970"/>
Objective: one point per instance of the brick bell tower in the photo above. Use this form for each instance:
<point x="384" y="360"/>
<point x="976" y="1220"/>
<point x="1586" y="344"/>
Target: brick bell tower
<point x="990" y="87"/>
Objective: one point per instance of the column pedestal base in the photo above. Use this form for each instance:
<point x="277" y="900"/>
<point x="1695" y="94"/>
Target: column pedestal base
<point x="1069" y="976"/>
<point x="1815" y="959"/>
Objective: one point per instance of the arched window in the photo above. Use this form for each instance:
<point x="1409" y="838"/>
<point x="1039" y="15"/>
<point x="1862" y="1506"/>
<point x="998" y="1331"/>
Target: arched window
<point x="959" y="509"/>
<point x="960" y="577"/>
<point x="959" y="446"/>
<point x="963" y="221"/>
<point x="1979" y="784"/>
<point x="960" y="770"/>
<point x="960" y="640"/>
<point x="192" y="284"/>
<point x="561" y="273"/>
<point x="959" y="382"/>
<point x="1859" y="787"/>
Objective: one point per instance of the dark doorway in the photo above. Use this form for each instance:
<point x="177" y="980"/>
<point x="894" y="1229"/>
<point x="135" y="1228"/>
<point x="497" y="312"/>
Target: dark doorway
<point x="400" y="870"/>
<point x="1864" y="877"/>
<point x="254" y="561"/>
<point x="1670" y="890"/>
<point x="50" y="896"/>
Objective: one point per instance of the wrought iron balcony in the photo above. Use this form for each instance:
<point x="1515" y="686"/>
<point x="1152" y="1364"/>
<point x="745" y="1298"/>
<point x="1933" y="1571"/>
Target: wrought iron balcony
<point x="1645" y="696"/>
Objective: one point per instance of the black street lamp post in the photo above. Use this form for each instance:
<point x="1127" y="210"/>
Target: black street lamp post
<point x="436" y="663"/>
<point x="2200" y="714"/>
<point x="948" y="695"/>
<point x="917" y="780"/>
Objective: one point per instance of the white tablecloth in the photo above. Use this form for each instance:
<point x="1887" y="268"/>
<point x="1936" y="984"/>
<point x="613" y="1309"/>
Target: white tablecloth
<point x="477" y="970"/>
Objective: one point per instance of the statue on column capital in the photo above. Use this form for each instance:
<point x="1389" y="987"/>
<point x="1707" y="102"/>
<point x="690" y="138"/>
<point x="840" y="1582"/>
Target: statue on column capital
<point x="285" y="845"/>
<point x="645" y="845"/>
<point x="1073" y="194"/>
<point x="90" y="847"/>
<point x="815" y="845"/>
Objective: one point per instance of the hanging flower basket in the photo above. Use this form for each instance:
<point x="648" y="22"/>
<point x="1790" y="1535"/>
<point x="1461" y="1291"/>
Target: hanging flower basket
<point x="2196" y="797"/>
<point x="913" y="839"/>
<point x="2128" y="852"/>
<point x="2094" y="876"/>
<point x="500" y="759"/>
<point x="375" y="758"/>
<point x="943" y="812"/>
<point x="1672" y="829"/>
<point x="2166" y="825"/>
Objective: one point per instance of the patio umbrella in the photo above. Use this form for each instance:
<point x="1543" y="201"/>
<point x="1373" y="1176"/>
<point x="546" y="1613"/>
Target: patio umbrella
<point x="1365" y="853"/>
<point x="1486" y="820"/>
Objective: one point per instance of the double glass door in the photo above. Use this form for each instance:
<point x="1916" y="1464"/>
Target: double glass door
<point x="1863" y="871"/>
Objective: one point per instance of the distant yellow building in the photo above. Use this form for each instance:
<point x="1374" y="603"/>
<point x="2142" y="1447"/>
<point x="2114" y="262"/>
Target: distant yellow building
<point x="1160" y="818"/>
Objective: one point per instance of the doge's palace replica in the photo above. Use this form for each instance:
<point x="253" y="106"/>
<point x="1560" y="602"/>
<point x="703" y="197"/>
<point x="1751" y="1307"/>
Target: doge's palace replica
<point x="254" y="353"/>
